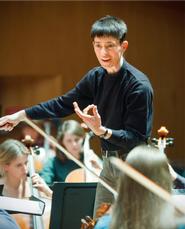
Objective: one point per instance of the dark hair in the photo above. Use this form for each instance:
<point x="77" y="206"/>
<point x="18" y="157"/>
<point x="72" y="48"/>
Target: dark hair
<point x="70" y="127"/>
<point x="109" y="26"/>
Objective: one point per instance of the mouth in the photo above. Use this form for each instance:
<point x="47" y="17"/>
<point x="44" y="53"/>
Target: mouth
<point x="105" y="60"/>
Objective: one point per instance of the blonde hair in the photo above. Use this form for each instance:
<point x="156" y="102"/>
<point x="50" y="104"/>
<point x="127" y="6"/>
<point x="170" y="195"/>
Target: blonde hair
<point x="137" y="207"/>
<point x="10" y="150"/>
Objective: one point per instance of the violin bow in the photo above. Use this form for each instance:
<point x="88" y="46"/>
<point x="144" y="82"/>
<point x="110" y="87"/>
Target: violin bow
<point x="70" y="156"/>
<point x="146" y="182"/>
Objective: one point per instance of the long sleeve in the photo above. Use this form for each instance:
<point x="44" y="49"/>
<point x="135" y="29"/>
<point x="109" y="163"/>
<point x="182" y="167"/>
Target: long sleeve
<point x="63" y="105"/>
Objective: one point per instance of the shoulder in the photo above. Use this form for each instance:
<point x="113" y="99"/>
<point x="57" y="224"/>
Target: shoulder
<point x="7" y="221"/>
<point x="137" y="78"/>
<point x="94" y="73"/>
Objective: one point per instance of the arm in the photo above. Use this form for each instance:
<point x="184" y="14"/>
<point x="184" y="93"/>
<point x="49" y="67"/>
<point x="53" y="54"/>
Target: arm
<point x="56" y="107"/>
<point x="63" y="105"/>
<point x="8" y="122"/>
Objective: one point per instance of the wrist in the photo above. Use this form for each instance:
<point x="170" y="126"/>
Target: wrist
<point x="105" y="133"/>
<point x="100" y="131"/>
<point x="48" y="192"/>
<point x="21" y="115"/>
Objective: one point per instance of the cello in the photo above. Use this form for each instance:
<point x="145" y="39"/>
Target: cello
<point x="38" y="222"/>
<point x="91" y="161"/>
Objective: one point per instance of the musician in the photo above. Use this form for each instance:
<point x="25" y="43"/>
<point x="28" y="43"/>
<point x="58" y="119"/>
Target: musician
<point x="70" y="136"/>
<point x="119" y="96"/>
<point x="136" y="206"/>
<point x="14" y="181"/>
<point x="6" y="221"/>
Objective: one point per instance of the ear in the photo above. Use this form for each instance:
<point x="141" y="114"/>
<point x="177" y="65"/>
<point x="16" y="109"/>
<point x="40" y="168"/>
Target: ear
<point x="5" y="168"/>
<point x="124" y="45"/>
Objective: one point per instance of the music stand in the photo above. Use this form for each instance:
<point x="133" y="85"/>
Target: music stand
<point x="70" y="203"/>
<point x="33" y="206"/>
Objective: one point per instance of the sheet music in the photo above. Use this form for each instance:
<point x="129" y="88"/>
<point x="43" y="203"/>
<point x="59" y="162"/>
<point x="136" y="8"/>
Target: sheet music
<point x="22" y="205"/>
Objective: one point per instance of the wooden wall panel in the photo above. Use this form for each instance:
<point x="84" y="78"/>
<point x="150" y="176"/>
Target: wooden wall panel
<point x="52" y="38"/>
<point x="24" y="91"/>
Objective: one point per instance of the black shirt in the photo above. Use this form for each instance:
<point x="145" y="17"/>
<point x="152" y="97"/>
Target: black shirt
<point x="123" y="99"/>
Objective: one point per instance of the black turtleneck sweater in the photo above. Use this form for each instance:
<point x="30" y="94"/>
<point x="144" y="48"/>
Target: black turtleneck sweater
<point x="123" y="99"/>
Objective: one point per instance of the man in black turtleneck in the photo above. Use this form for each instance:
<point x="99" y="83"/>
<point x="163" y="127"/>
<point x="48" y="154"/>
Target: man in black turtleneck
<point x="113" y="100"/>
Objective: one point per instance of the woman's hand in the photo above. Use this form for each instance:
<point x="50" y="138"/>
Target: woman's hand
<point x="39" y="183"/>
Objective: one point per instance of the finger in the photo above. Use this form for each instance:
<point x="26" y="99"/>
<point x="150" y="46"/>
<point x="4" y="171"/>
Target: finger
<point x="82" y="115"/>
<point x="37" y="185"/>
<point x="3" y="125"/>
<point x="11" y="128"/>
<point x="85" y="110"/>
<point x="75" y="104"/>
<point x="84" y="125"/>
<point x="3" y="121"/>
<point x="79" y="113"/>
<point x="77" y="109"/>
<point x="7" y="127"/>
<point x="95" y="112"/>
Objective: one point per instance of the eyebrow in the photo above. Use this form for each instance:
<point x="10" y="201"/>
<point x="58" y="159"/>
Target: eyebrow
<point x="107" y="42"/>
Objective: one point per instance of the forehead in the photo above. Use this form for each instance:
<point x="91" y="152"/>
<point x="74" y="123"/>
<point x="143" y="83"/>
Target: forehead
<point x="19" y="159"/>
<point x="106" y="39"/>
<point x="69" y="136"/>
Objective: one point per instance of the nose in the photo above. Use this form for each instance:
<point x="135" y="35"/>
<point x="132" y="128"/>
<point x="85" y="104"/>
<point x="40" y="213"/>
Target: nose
<point x="25" y="169"/>
<point x="103" y="51"/>
<point x="74" y="143"/>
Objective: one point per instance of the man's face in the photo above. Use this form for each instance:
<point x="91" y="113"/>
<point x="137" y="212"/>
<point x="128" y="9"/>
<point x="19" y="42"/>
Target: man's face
<point x="109" y="52"/>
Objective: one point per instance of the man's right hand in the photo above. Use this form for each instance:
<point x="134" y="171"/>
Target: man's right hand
<point x="8" y="122"/>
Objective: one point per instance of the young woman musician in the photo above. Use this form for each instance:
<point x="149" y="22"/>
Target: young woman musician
<point x="136" y="207"/>
<point x="71" y="136"/>
<point x="14" y="180"/>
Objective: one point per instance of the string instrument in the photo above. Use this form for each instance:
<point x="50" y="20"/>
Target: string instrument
<point x="163" y="141"/>
<point x="37" y="220"/>
<point x="91" y="160"/>
<point x="89" y="223"/>
<point x="120" y="165"/>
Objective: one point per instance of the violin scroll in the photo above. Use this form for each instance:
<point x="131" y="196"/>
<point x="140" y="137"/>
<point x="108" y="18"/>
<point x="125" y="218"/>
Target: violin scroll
<point x="163" y="132"/>
<point x="89" y="223"/>
<point x="162" y="141"/>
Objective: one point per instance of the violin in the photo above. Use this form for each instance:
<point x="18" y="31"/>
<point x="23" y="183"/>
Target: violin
<point x="89" y="223"/>
<point x="162" y="141"/>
